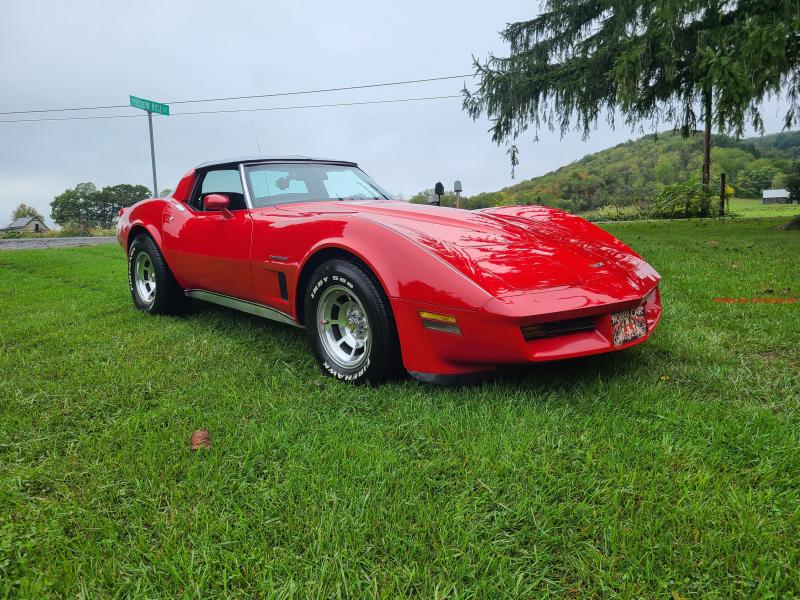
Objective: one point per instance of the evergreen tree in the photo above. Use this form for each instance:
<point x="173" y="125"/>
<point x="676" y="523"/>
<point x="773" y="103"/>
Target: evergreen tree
<point x="793" y="182"/>
<point x="677" y="61"/>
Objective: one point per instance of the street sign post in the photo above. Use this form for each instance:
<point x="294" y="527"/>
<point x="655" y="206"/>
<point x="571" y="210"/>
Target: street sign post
<point x="151" y="107"/>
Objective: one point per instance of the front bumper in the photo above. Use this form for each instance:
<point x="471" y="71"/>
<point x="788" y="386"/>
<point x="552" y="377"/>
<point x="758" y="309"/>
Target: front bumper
<point x="492" y="335"/>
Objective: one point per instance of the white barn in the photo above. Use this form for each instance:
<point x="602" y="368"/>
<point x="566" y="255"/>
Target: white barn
<point x="779" y="196"/>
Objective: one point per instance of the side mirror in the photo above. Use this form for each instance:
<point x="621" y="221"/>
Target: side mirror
<point x="217" y="202"/>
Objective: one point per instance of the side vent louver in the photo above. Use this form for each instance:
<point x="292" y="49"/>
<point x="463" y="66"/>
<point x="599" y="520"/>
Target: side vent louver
<point x="282" y="285"/>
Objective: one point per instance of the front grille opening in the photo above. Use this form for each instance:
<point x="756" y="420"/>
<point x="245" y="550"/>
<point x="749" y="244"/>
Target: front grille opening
<point x="556" y="328"/>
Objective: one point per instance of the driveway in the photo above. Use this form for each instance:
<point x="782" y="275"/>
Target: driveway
<point x="58" y="242"/>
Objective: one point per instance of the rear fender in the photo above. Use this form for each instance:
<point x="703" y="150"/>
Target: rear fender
<point x="146" y="215"/>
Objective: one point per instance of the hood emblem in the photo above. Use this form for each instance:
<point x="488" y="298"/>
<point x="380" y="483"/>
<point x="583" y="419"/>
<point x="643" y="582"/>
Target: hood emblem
<point x="596" y="265"/>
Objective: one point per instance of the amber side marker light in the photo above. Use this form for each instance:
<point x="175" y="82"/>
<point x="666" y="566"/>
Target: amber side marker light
<point x="438" y="322"/>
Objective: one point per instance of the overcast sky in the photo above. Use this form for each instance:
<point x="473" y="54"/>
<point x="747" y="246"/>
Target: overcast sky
<point x="78" y="53"/>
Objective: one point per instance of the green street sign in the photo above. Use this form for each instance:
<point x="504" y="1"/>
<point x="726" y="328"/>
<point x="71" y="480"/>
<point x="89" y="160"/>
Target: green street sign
<point x="149" y="105"/>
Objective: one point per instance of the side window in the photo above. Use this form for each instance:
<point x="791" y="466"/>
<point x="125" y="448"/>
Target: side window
<point x="221" y="181"/>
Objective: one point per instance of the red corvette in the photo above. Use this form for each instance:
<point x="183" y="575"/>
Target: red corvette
<point x="381" y="285"/>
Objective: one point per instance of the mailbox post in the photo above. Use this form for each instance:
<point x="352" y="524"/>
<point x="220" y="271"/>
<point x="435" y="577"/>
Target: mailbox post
<point x="438" y="189"/>
<point x="457" y="188"/>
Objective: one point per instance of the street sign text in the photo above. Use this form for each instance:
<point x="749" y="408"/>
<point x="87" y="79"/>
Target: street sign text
<point x="149" y="105"/>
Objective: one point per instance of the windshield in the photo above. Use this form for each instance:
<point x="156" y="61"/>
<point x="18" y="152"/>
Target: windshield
<point x="309" y="182"/>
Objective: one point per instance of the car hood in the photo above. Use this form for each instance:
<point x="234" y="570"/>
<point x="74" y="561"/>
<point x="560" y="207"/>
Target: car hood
<point x="506" y="250"/>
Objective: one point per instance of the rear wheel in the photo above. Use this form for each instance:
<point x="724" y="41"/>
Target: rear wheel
<point x="152" y="285"/>
<point x="350" y="324"/>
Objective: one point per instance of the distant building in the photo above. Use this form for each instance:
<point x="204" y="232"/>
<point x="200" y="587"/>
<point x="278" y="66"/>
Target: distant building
<point x="779" y="196"/>
<point x="27" y="224"/>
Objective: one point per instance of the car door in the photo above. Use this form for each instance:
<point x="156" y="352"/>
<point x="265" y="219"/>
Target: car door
<point x="210" y="250"/>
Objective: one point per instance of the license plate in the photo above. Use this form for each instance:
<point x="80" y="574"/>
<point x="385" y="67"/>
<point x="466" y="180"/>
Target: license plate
<point x="628" y="325"/>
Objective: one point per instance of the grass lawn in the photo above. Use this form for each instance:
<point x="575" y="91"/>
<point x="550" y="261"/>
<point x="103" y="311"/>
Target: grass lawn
<point x="671" y="467"/>
<point x="745" y="207"/>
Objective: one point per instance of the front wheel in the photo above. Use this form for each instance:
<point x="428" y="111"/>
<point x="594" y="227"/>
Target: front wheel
<point x="350" y="324"/>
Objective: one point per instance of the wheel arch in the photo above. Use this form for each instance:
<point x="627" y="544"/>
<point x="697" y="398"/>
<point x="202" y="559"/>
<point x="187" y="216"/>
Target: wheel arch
<point x="321" y="256"/>
<point x="152" y="232"/>
<point x="149" y="230"/>
<point x="134" y="232"/>
<point x="145" y="216"/>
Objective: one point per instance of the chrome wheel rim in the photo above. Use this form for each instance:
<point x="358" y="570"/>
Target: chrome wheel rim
<point x="144" y="278"/>
<point x="343" y="327"/>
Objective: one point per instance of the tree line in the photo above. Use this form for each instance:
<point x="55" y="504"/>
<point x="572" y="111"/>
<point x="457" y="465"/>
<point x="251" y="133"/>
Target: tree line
<point x="634" y="173"/>
<point x="84" y="207"/>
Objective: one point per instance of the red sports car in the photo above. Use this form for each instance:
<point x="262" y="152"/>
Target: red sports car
<point x="381" y="285"/>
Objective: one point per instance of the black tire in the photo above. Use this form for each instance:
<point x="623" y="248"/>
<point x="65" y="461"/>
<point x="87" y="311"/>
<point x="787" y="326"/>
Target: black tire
<point x="381" y="358"/>
<point x="166" y="295"/>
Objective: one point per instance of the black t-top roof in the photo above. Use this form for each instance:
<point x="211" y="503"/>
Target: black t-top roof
<point x="250" y="160"/>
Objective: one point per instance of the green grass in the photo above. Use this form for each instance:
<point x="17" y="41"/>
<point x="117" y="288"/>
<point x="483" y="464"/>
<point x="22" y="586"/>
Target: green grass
<point x="752" y="208"/>
<point x="671" y="467"/>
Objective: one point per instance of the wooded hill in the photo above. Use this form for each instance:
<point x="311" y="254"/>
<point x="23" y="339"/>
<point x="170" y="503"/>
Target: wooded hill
<point x="632" y="173"/>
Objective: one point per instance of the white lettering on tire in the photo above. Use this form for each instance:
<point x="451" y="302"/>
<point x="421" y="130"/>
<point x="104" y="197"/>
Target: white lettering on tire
<point x="318" y="285"/>
<point x="130" y="270"/>
<point x="341" y="279"/>
<point x="346" y="376"/>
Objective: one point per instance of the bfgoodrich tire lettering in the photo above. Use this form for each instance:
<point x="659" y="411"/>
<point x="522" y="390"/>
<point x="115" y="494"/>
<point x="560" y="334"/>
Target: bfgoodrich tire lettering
<point x="153" y="288"/>
<point x="350" y="324"/>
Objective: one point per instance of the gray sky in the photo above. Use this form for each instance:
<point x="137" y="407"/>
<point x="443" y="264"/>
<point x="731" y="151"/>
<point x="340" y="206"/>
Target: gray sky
<point x="83" y="53"/>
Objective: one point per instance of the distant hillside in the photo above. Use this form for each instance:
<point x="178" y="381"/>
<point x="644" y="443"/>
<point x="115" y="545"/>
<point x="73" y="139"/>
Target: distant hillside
<point x="633" y="172"/>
